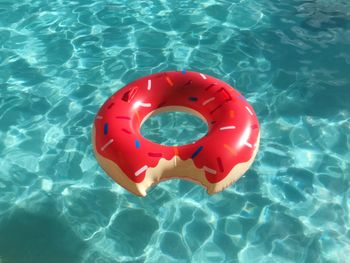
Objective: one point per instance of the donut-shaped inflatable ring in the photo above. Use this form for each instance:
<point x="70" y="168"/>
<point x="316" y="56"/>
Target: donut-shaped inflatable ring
<point x="215" y="161"/>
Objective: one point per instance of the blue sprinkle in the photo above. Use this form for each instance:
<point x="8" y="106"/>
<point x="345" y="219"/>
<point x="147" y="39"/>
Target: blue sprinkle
<point x="105" y="129"/>
<point x="193" y="98"/>
<point x="197" y="151"/>
<point x="137" y="143"/>
<point x="184" y="71"/>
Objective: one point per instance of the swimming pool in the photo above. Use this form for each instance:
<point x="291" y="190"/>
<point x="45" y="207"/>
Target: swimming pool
<point x="60" y="60"/>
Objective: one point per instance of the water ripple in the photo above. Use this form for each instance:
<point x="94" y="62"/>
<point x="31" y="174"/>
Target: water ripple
<point x="60" y="60"/>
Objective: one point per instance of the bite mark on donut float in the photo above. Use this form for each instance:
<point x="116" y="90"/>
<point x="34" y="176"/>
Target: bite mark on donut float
<point x="187" y="169"/>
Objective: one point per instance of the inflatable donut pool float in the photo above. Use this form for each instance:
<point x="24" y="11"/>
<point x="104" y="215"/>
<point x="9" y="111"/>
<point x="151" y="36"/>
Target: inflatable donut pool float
<point x="215" y="161"/>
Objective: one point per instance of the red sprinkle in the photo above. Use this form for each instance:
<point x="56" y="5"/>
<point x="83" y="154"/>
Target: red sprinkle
<point x="155" y="154"/>
<point x="125" y="130"/>
<point x="216" y="109"/>
<point x="228" y="95"/>
<point x="226" y="92"/>
<point x="220" y="164"/>
<point x="129" y="95"/>
<point x="188" y="82"/>
<point x="210" y="86"/>
<point x="219" y="90"/>
<point x="123" y="117"/>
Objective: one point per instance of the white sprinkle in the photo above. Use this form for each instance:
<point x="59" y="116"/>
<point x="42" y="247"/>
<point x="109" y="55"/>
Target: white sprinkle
<point x="106" y="145"/>
<point x="142" y="169"/>
<point x="139" y="103"/>
<point x="227" y="128"/>
<point x="248" y="144"/>
<point x="99" y="117"/>
<point x="203" y="76"/>
<point x="149" y="84"/>
<point x="208" y="100"/>
<point x="250" y="112"/>
<point x="209" y="170"/>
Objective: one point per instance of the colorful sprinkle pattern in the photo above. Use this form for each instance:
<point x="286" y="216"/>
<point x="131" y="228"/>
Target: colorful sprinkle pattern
<point x="232" y="120"/>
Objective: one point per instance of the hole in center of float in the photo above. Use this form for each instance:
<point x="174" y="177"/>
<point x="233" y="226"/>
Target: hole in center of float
<point x="174" y="126"/>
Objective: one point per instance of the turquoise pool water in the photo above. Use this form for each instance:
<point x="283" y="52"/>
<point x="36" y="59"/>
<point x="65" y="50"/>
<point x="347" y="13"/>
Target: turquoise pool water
<point x="60" y="60"/>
